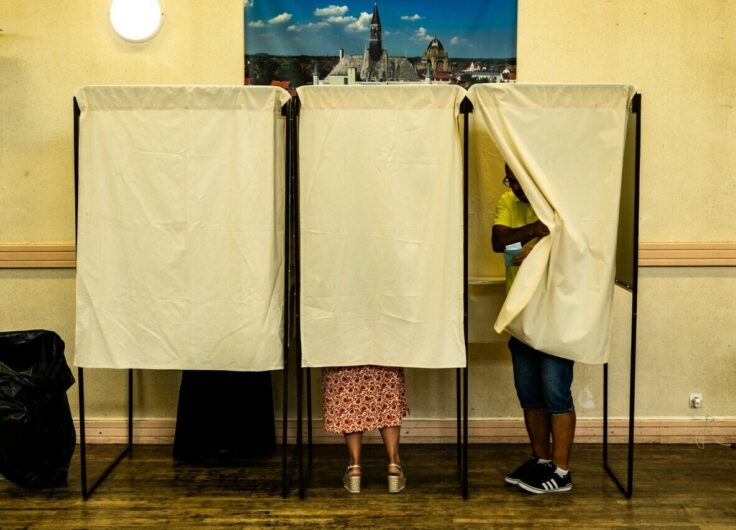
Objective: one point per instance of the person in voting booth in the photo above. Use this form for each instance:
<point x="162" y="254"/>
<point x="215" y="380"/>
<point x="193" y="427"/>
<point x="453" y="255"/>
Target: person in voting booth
<point x="224" y="418"/>
<point x="358" y="399"/>
<point x="543" y="382"/>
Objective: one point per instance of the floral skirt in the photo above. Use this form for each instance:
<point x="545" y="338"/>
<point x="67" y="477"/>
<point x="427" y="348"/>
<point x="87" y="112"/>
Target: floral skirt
<point x="363" y="398"/>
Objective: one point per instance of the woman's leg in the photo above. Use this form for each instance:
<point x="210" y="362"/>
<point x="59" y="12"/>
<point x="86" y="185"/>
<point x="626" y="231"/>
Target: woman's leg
<point x="355" y="443"/>
<point x="391" y="437"/>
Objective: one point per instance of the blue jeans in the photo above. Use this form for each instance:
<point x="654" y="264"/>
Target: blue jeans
<point x="541" y="380"/>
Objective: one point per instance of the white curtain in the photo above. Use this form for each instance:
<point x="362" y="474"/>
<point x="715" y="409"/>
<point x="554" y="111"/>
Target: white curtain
<point x="565" y="144"/>
<point x="180" y="228"/>
<point x="381" y="226"/>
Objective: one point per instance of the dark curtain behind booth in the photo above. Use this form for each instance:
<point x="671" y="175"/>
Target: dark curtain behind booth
<point x="224" y="416"/>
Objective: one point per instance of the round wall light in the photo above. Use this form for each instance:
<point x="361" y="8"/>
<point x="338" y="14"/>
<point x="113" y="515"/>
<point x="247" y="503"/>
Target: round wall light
<point x="136" y="20"/>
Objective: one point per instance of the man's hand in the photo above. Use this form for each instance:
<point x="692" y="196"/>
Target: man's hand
<point x="503" y="235"/>
<point x="521" y="256"/>
<point x="539" y="229"/>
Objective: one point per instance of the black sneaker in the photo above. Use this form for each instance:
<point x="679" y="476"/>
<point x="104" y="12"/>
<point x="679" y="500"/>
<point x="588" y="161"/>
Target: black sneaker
<point x="547" y="482"/>
<point x="524" y="469"/>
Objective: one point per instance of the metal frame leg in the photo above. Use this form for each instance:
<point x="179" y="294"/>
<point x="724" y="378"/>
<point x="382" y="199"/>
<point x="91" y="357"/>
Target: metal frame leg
<point x="459" y="409"/>
<point x="87" y="492"/>
<point x="465" y="433"/>
<point x="299" y="429"/>
<point x="309" y="419"/>
<point x="284" y="431"/>
<point x="628" y="490"/>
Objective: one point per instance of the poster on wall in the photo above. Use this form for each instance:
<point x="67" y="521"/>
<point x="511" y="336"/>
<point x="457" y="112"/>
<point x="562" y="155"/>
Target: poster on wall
<point x="291" y="43"/>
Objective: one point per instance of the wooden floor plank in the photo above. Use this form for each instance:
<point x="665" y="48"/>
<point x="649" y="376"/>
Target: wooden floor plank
<point x="676" y="486"/>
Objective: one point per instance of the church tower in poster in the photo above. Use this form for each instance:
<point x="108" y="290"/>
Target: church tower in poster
<point x="375" y="65"/>
<point x="375" y="48"/>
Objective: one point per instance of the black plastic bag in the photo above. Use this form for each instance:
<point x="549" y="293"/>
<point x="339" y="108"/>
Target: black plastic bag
<point x="37" y="435"/>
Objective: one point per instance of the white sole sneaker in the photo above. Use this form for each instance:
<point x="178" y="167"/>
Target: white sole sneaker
<point x="550" y="486"/>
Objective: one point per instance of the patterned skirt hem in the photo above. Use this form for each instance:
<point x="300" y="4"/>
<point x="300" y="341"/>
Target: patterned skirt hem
<point x="366" y="427"/>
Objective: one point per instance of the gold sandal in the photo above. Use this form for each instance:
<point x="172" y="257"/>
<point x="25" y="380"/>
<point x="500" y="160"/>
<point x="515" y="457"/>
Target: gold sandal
<point x="351" y="482"/>
<point x="396" y="483"/>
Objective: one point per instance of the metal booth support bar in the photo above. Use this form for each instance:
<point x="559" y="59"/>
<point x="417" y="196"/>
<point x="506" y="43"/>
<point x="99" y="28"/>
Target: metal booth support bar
<point x="466" y="107"/>
<point x="86" y="489"/>
<point x="288" y="293"/>
<point x="295" y="332"/>
<point x="301" y="472"/>
<point x="634" y="289"/>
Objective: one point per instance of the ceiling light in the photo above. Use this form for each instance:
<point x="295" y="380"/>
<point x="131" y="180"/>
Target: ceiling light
<point x="136" y="20"/>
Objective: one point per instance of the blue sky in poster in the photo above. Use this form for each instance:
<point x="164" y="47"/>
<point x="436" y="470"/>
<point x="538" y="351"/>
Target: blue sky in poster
<point x="467" y="28"/>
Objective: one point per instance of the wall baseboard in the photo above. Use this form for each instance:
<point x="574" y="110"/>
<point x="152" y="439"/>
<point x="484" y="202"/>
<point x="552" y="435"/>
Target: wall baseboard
<point x="426" y="431"/>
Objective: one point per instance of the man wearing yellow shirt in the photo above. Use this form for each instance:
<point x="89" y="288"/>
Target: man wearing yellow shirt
<point x="543" y="382"/>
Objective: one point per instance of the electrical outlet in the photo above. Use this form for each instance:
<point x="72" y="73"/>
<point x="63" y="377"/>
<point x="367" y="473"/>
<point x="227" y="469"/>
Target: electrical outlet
<point x="696" y="400"/>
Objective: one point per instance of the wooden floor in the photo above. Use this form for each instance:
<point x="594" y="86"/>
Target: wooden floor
<point x="675" y="486"/>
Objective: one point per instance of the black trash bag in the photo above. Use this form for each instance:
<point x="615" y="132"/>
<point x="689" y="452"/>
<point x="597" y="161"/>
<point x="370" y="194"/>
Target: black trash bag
<point x="37" y="435"/>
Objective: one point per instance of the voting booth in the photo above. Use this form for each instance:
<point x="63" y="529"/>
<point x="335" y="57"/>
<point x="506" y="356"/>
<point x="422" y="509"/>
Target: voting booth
<point x="180" y="231"/>
<point x="221" y="227"/>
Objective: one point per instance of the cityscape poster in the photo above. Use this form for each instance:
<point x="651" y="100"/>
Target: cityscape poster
<point x="291" y="43"/>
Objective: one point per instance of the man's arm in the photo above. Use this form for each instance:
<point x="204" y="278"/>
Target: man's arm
<point x="503" y="235"/>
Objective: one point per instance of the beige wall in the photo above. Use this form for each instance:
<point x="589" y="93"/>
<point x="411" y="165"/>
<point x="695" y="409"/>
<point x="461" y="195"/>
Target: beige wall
<point x="47" y="50"/>
<point x="679" y="53"/>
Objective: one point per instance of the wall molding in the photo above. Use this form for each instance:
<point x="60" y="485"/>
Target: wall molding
<point x="431" y="431"/>
<point x="687" y="254"/>
<point x="651" y="254"/>
<point x="38" y="256"/>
